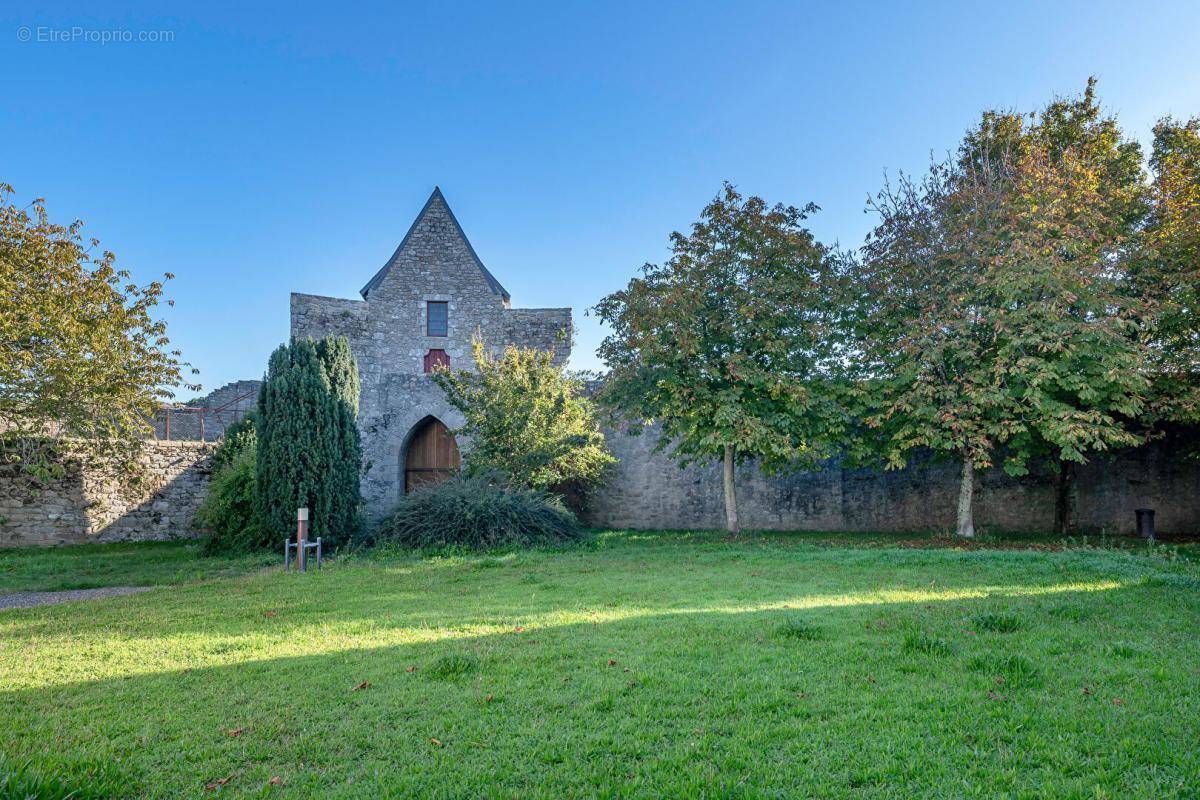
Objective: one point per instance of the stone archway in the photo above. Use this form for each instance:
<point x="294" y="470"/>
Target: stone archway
<point x="431" y="455"/>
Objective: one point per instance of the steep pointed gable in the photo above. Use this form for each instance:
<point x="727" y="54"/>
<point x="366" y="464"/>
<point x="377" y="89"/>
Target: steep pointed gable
<point x="436" y="203"/>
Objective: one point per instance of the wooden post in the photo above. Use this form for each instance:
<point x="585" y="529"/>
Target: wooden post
<point x="301" y="539"/>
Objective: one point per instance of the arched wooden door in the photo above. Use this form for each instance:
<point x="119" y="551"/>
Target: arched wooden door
<point x="432" y="455"/>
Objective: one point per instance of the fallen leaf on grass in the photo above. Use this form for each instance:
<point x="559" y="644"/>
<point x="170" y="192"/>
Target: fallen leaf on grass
<point x="411" y="669"/>
<point x="217" y="784"/>
<point x="437" y="742"/>
<point x="276" y="780"/>
<point x="1116" y="701"/>
<point x="995" y="696"/>
<point x="612" y="663"/>
<point x="236" y="731"/>
<point x="487" y="699"/>
<point x="363" y="685"/>
<point x="1087" y="690"/>
<point x="270" y="613"/>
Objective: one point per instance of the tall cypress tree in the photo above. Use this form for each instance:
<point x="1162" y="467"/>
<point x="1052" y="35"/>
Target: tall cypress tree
<point x="309" y="453"/>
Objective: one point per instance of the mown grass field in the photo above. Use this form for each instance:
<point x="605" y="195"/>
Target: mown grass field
<point x="635" y="666"/>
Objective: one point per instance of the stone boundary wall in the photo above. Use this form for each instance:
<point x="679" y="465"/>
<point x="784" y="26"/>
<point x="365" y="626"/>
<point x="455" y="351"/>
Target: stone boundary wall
<point x="87" y="507"/>
<point x="648" y="490"/>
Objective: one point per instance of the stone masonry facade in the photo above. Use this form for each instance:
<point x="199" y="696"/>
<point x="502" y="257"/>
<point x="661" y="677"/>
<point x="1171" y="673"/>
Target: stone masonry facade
<point x="648" y="490"/>
<point x="88" y="506"/>
<point x="389" y="337"/>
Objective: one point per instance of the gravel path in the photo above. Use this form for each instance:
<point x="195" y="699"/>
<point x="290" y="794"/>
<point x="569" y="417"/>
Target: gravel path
<point x="31" y="599"/>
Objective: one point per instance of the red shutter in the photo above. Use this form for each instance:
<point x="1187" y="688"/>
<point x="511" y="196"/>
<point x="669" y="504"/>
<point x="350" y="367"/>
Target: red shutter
<point x="436" y="358"/>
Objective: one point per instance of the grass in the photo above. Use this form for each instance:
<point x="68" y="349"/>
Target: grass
<point x="88" y="566"/>
<point x="639" y="665"/>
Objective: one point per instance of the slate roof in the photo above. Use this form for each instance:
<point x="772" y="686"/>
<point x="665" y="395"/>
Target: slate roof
<point x="437" y="195"/>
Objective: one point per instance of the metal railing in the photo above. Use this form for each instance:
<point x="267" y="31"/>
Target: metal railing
<point x="184" y="422"/>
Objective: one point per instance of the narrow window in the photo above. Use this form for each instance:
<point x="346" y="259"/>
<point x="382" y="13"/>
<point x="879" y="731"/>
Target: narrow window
<point x="437" y="318"/>
<point x="436" y="358"/>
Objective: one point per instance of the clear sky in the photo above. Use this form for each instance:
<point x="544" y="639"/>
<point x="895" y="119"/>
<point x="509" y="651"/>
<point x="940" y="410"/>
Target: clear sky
<point x="287" y="148"/>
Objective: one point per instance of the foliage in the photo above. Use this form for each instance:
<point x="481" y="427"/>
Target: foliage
<point x="993" y="306"/>
<point x="309" y="453"/>
<point x="729" y="345"/>
<point x="81" y="354"/>
<point x="526" y="420"/>
<point x="228" y="513"/>
<point x="1169" y="271"/>
<point x="479" y="511"/>
<point x="44" y="779"/>
<point x="240" y="437"/>
<point x="691" y="616"/>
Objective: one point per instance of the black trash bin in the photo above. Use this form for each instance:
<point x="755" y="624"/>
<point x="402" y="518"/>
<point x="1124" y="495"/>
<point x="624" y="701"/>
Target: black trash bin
<point x="1145" y="522"/>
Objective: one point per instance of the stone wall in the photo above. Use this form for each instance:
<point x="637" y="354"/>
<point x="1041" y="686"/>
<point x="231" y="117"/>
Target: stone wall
<point x="85" y="506"/>
<point x="648" y="490"/>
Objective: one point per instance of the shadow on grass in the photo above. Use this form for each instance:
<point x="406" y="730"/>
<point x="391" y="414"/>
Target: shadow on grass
<point x="617" y="706"/>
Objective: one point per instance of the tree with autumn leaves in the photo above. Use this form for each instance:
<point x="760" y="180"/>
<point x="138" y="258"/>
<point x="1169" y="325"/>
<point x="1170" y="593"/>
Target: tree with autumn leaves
<point x="995" y="322"/>
<point x="1030" y="298"/>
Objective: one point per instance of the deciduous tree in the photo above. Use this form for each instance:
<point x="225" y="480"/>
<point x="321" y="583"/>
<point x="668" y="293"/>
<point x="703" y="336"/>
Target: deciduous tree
<point x="526" y="419"/>
<point x="1168" y="272"/>
<point x="82" y="355"/>
<point x="994" y="319"/>
<point x="728" y="344"/>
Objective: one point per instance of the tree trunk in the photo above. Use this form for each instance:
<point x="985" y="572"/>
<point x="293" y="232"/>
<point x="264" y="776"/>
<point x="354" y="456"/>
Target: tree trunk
<point x="966" y="517"/>
<point x="1066" y="516"/>
<point x="731" y="520"/>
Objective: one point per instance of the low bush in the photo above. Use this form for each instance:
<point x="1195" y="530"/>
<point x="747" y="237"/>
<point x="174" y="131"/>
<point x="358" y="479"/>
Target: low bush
<point x="478" y="511"/>
<point x="228" y="512"/>
<point x="241" y="436"/>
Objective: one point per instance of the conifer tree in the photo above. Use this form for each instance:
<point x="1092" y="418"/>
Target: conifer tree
<point x="309" y="452"/>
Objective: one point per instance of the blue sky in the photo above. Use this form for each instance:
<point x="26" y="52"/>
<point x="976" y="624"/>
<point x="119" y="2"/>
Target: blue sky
<point x="287" y="148"/>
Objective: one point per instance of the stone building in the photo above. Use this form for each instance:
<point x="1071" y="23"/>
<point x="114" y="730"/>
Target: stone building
<point x="422" y="309"/>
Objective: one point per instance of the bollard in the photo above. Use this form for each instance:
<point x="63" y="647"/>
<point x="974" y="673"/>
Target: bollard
<point x="301" y="539"/>
<point x="1145" y="523"/>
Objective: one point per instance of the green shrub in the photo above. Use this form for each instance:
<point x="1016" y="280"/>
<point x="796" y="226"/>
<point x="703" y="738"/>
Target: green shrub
<point x="228" y="512"/>
<point x="527" y="420"/>
<point x="479" y="511"/>
<point x="240" y="437"/>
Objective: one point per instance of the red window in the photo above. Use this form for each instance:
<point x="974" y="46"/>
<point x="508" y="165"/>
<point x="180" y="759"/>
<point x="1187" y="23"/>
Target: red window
<point x="436" y="358"/>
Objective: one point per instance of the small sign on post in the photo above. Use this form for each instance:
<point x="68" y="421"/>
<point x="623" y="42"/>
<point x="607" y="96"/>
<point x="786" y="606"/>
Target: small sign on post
<point x="302" y="539"/>
<point x="301" y="546"/>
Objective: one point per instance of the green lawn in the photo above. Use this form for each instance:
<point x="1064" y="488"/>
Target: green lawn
<point x="636" y="666"/>
<point x="126" y="564"/>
